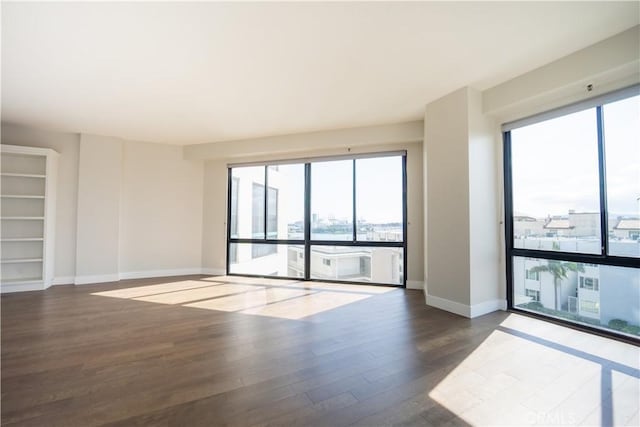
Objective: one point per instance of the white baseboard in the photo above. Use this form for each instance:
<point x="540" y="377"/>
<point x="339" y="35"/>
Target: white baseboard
<point x="88" y="280"/>
<point x="214" y="271"/>
<point x="159" y="273"/>
<point x="487" y="307"/>
<point x="64" y="280"/>
<point x="448" y="305"/>
<point x="415" y="284"/>
<point x="469" y="311"/>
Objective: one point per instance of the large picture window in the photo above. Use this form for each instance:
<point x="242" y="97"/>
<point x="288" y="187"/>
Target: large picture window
<point x="327" y="219"/>
<point x="572" y="186"/>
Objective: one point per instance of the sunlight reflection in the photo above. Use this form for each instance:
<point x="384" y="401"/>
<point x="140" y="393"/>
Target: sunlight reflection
<point x="342" y="287"/>
<point x="514" y="377"/>
<point x="180" y="297"/>
<point x="286" y="299"/>
<point x="243" y="280"/>
<point x="140" y="291"/>
<point x="306" y="306"/>
<point x="249" y="299"/>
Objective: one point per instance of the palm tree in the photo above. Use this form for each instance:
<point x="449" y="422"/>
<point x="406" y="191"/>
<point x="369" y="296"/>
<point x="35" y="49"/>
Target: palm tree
<point x="559" y="270"/>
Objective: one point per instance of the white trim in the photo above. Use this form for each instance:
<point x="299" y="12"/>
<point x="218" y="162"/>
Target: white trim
<point x="214" y="271"/>
<point x="28" y="151"/>
<point x="63" y="280"/>
<point x="160" y="273"/>
<point x="464" y="310"/>
<point x="448" y="305"/>
<point x="87" y="280"/>
<point x="39" y="285"/>
<point x="415" y="284"/>
<point x="606" y="98"/>
<point x="321" y="159"/>
<point x="486" y="307"/>
<point x="470" y="312"/>
<point x="21" y="287"/>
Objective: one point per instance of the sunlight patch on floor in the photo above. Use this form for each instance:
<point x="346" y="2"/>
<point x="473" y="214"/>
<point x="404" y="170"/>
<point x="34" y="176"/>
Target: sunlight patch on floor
<point x="242" y="280"/>
<point x="307" y="305"/>
<point x="285" y="299"/>
<point x="180" y="297"/>
<point x="140" y="291"/>
<point x="529" y="372"/>
<point x="248" y="300"/>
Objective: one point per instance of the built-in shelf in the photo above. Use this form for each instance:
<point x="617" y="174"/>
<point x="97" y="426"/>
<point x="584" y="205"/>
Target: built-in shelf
<point x="22" y="175"/>
<point x="20" y="196"/>
<point x="21" y="260"/>
<point x="22" y="218"/>
<point x="22" y="281"/>
<point x="28" y="217"/>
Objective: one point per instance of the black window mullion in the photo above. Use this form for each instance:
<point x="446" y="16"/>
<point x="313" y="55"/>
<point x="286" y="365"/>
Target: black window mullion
<point x="355" y="231"/>
<point x="359" y="243"/>
<point x="405" y="218"/>
<point x="615" y="261"/>
<point x="266" y="185"/>
<point x="307" y="221"/>
<point x="604" y="223"/>
<point x="229" y="183"/>
<point x="508" y="216"/>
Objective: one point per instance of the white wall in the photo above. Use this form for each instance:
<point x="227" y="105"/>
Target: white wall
<point x="447" y="198"/>
<point x="214" y="219"/>
<point x="67" y="144"/>
<point x="485" y="200"/>
<point x="462" y="201"/>
<point x="98" y="226"/>
<point x="273" y="147"/>
<point x="160" y="211"/>
<point x="124" y="209"/>
<point x="611" y="64"/>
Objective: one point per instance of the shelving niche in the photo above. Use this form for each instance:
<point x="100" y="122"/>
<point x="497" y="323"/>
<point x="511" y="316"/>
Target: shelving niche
<point x="28" y="200"/>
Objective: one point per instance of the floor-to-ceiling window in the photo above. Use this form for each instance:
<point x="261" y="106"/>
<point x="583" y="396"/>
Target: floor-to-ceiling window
<point x="572" y="187"/>
<point x="341" y="219"/>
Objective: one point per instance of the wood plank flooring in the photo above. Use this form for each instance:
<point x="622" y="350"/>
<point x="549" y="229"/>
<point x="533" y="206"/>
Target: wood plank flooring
<point x="208" y="351"/>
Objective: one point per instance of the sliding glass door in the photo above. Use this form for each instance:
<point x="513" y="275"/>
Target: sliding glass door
<point x="572" y="185"/>
<point x="328" y="219"/>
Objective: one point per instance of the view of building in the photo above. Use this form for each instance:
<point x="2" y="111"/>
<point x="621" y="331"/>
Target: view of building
<point x="283" y="221"/>
<point x="587" y="293"/>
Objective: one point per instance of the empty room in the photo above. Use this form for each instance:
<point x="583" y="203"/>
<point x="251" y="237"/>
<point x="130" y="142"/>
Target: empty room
<point x="320" y="213"/>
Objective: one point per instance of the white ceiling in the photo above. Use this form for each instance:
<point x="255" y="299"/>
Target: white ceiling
<point x="186" y="73"/>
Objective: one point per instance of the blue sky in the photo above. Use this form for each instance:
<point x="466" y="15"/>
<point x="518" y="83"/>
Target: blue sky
<point x="555" y="163"/>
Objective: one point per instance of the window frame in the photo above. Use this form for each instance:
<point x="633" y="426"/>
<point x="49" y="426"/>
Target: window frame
<point x="307" y="241"/>
<point x="602" y="258"/>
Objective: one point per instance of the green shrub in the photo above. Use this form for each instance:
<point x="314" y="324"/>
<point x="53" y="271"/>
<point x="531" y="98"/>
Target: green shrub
<point x="618" y="324"/>
<point x="632" y="329"/>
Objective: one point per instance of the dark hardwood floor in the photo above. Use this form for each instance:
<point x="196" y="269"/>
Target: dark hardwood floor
<point x="98" y="354"/>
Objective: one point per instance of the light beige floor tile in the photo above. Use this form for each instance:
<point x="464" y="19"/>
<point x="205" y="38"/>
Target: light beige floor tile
<point x="457" y="402"/>
<point x="560" y="389"/>
<point x="625" y="401"/>
<point x="634" y="420"/>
